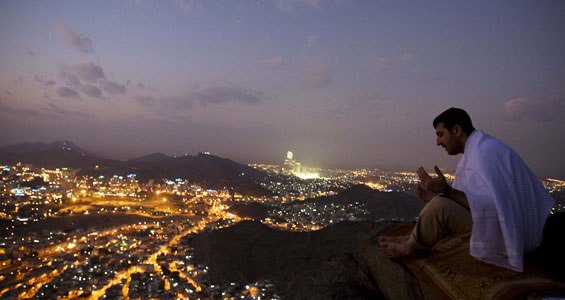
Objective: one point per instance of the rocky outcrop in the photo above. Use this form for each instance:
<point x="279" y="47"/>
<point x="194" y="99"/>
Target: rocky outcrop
<point x="392" y="277"/>
<point x="342" y="261"/>
<point x="338" y="262"/>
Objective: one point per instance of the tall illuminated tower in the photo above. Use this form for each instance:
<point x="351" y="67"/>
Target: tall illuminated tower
<point x="291" y="166"/>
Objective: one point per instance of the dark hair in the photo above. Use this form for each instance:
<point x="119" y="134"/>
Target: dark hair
<point x="455" y="116"/>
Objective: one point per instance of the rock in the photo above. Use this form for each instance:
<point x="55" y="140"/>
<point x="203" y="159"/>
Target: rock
<point x="394" y="281"/>
<point x="337" y="262"/>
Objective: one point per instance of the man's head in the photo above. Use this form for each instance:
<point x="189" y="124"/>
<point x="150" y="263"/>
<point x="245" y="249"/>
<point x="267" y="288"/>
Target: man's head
<point x="453" y="127"/>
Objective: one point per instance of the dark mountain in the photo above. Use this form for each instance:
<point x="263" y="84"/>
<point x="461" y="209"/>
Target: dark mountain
<point x="324" y="264"/>
<point x="381" y="205"/>
<point x="52" y="155"/>
<point x="209" y="170"/>
<point x="151" y="158"/>
<point x="200" y="168"/>
<point x="40" y="147"/>
<point x="254" y="210"/>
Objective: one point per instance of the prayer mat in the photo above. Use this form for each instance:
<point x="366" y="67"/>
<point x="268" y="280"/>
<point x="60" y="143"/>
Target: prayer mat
<point x="450" y="272"/>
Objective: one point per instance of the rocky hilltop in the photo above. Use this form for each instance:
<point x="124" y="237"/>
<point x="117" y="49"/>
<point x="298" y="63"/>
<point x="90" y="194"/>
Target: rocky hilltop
<point x="337" y="262"/>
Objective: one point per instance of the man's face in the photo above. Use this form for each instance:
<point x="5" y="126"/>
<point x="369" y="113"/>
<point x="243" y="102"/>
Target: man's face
<point x="448" y="139"/>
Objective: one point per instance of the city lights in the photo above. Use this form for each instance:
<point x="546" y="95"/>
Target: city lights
<point x="98" y="237"/>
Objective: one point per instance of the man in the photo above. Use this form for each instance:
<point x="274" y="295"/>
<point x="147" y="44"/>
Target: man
<point x="495" y="198"/>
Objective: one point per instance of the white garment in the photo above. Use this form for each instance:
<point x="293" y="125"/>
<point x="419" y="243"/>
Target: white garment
<point x="508" y="203"/>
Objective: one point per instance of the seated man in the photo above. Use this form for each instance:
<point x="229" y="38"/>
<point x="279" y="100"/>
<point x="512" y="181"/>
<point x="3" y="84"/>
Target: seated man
<point x="495" y="197"/>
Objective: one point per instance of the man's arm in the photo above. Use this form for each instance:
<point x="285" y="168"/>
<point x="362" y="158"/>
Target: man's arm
<point x="457" y="196"/>
<point x="439" y="185"/>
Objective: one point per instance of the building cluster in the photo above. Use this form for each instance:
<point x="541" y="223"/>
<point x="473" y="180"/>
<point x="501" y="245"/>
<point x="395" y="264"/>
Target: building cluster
<point x="309" y="216"/>
<point x="290" y="188"/>
<point x="149" y="260"/>
<point x="29" y="195"/>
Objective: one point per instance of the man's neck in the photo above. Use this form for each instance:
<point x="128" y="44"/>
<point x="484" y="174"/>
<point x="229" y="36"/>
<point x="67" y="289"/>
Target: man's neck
<point x="464" y="138"/>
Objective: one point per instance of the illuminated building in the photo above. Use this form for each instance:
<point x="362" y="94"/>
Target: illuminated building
<point x="291" y="166"/>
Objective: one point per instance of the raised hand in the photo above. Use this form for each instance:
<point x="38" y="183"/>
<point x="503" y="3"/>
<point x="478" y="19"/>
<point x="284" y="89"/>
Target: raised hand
<point x="425" y="195"/>
<point x="432" y="184"/>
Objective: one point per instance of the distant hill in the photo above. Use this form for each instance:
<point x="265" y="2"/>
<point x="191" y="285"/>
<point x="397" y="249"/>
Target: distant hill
<point x="381" y="205"/>
<point x="52" y="155"/>
<point x="209" y="170"/>
<point x="40" y="147"/>
<point x="151" y="158"/>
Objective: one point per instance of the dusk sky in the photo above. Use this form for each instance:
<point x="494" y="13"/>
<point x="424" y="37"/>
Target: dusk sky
<point x="340" y="83"/>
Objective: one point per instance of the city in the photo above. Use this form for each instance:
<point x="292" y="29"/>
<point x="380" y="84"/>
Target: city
<point x="68" y="236"/>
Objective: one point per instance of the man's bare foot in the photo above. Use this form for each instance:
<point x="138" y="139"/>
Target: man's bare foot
<point x="393" y="249"/>
<point x="398" y="246"/>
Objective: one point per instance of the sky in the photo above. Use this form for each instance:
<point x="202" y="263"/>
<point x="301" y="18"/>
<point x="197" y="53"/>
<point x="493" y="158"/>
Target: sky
<point x="341" y="83"/>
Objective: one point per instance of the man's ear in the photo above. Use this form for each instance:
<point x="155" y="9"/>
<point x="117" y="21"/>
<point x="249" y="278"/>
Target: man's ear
<point x="457" y="130"/>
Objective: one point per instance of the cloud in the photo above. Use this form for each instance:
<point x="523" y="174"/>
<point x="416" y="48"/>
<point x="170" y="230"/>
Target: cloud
<point x="407" y="57"/>
<point x="290" y="5"/>
<point x="112" y="87"/>
<point x="168" y="103"/>
<point x="224" y="95"/>
<point x="44" y="81"/>
<point x="425" y="77"/>
<point x="536" y="111"/>
<point x="145" y="100"/>
<point x="89" y="71"/>
<point x="85" y="71"/>
<point x="312" y="3"/>
<point x="66" y="92"/>
<point x="272" y="63"/>
<point x="515" y="108"/>
<point x="312" y="41"/>
<point x="68" y="78"/>
<point x="316" y="75"/>
<point x="381" y="65"/>
<point x="365" y="104"/>
<point x="75" y="40"/>
<point x="185" y="5"/>
<point x="54" y="109"/>
<point x="91" y="91"/>
<point x="176" y="103"/>
<point x="22" y="112"/>
<point x="285" y="5"/>
<point x="370" y="98"/>
<point x="204" y="97"/>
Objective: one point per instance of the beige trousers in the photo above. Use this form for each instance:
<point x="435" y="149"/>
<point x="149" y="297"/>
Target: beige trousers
<point x="441" y="217"/>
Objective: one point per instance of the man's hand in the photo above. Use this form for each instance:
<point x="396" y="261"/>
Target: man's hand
<point x="425" y="195"/>
<point x="432" y="184"/>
